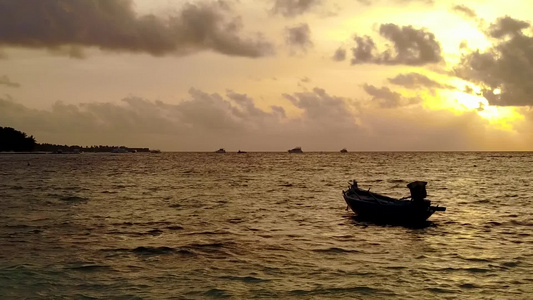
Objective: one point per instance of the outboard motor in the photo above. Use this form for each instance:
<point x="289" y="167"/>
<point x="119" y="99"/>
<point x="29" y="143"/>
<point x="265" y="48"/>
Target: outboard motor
<point x="418" y="190"/>
<point x="354" y="184"/>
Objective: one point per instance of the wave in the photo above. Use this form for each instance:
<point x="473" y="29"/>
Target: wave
<point x="73" y="199"/>
<point x="336" y="292"/>
<point x="91" y="268"/>
<point x="152" y="223"/>
<point x="335" y="250"/>
<point x="217" y="249"/>
<point x="153" y="250"/>
<point x="468" y="286"/>
<point x="437" y="290"/>
<point x="396" y="181"/>
<point x="209" y="232"/>
<point x="174" y="227"/>
<point x="154" y="232"/>
<point x="247" y="279"/>
<point x="146" y="250"/>
<point x="217" y="293"/>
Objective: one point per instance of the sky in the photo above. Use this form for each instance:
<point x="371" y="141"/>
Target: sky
<point x="270" y="75"/>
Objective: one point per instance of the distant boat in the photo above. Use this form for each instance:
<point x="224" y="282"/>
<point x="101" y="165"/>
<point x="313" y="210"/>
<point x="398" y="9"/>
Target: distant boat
<point x="344" y="150"/>
<point x="241" y="151"/>
<point x="296" y="150"/>
<point x="376" y="207"/>
<point x="120" y="150"/>
<point x="221" y="150"/>
<point x="74" y="151"/>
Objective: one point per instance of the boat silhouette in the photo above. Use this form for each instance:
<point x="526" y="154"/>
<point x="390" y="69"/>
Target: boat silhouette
<point x="296" y="150"/>
<point x="376" y="207"/>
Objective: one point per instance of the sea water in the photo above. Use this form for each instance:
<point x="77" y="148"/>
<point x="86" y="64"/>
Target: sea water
<point x="261" y="225"/>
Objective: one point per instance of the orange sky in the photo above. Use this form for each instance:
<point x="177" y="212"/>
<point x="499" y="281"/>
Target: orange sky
<point x="385" y="75"/>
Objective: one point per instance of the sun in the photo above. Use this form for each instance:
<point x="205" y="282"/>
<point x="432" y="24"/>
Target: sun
<point x="502" y="117"/>
<point x="460" y="102"/>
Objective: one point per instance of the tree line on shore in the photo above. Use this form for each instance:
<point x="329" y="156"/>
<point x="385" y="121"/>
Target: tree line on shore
<point x="12" y="140"/>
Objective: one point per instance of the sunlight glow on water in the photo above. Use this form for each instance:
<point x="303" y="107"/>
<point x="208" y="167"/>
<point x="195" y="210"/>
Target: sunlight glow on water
<point x="272" y="225"/>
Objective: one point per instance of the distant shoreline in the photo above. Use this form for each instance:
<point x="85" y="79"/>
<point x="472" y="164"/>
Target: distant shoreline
<point x="252" y="152"/>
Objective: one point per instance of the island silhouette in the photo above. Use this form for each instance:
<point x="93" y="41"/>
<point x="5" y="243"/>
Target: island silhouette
<point x="12" y="140"/>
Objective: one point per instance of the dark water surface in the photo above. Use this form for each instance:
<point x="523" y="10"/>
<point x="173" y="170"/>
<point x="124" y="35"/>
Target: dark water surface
<point x="261" y="225"/>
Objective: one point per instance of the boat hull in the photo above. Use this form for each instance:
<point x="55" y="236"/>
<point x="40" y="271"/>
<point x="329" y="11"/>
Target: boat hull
<point x="380" y="208"/>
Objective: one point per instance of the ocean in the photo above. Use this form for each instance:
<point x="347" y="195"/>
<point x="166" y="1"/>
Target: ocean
<point x="262" y="225"/>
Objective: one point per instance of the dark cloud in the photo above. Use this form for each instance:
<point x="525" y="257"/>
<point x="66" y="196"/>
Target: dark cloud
<point x="339" y="55"/>
<point x="322" y="110"/>
<point x="411" y="47"/>
<point x="470" y="15"/>
<point x="415" y="81"/>
<point x="203" y="121"/>
<point x="298" y="38"/>
<point x="469" y="90"/>
<point x="503" y="71"/>
<point x="363" y="53"/>
<point x="206" y="122"/>
<point x="292" y="8"/>
<point x="4" y="80"/>
<point x="386" y="98"/>
<point x="114" y="25"/>
<point x="507" y="26"/>
<point x="303" y="83"/>
<point x="466" y="11"/>
<point x="369" y="2"/>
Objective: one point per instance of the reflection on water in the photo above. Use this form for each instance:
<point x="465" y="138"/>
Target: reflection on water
<point x="272" y="225"/>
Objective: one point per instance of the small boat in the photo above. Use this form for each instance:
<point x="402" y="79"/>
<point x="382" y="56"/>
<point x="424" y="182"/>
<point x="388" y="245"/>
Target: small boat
<point x="373" y="206"/>
<point x="221" y="150"/>
<point x="296" y="150"/>
<point x="343" y="150"/>
<point x="120" y="150"/>
<point x="241" y="151"/>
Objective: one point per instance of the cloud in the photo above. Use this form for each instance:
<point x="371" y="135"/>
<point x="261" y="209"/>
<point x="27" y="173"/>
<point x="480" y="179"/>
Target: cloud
<point x="503" y="71"/>
<point x="292" y="8"/>
<point x="465" y="11"/>
<point x="4" y="80"/>
<point x="208" y="121"/>
<point x="386" y="98"/>
<point x="470" y="15"/>
<point x="369" y="2"/>
<point x="113" y="25"/>
<point x="469" y="90"/>
<point x="202" y="122"/>
<point x="339" y="55"/>
<point x="411" y="47"/>
<point x="507" y="26"/>
<point x="363" y="52"/>
<point x="322" y="111"/>
<point x="415" y="81"/>
<point x="298" y="38"/>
